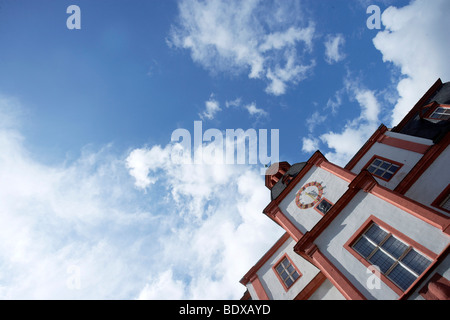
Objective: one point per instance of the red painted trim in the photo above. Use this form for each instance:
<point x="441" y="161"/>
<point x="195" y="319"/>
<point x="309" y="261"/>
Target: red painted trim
<point x="246" y="296"/>
<point x="338" y="171"/>
<point x="432" y="107"/>
<point x="418" y="106"/>
<point x="259" y="289"/>
<point x="348" y="290"/>
<point x="416" y="209"/>
<point x="374" y="138"/>
<point x="311" y="287"/>
<point x="278" y="276"/>
<point x="437" y="288"/>
<point x="246" y="278"/>
<point x="441" y="197"/>
<point x="372" y="219"/>
<point x="275" y="213"/>
<point x="404" y="144"/>
<point x="427" y="159"/>
<point x="320" y="212"/>
<point x="400" y="165"/>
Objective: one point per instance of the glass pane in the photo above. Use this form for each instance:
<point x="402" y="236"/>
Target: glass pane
<point x="364" y="247"/>
<point x="284" y="275"/>
<point x="289" y="282"/>
<point x="402" y="277"/>
<point x="290" y="269"/>
<point x="385" y="165"/>
<point x="295" y="275"/>
<point x="382" y="260"/>
<point x="285" y="263"/>
<point x="393" y="168"/>
<point x="394" y="247"/>
<point x="417" y="262"/>
<point x="379" y="172"/>
<point x="376" y="234"/>
<point x="371" y="169"/>
<point x="279" y="269"/>
<point x="387" y="175"/>
<point x="376" y="162"/>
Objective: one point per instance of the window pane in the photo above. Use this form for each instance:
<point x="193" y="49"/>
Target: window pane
<point x="417" y="262"/>
<point x="446" y="203"/>
<point x="382" y="260"/>
<point x="379" y="172"/>
<point x="295" y="275"/>
<point x="387" y="175"/>
<point x="284" y="275"/>
<point x="385" y="165"/>
<point x="290" y="269"/>
<point x="285" y="263"/>
<point x="289" y="282"/>
<point x="371" y="169"/>
<point x="364" y="247"/>
<point x="376" y="162"/>
<point x="402" y="277"/>
<point x="394" y="247"/>
<point x="376" y="234"/>
<point x="279" y="268"/>
<point x="394" y="168"/>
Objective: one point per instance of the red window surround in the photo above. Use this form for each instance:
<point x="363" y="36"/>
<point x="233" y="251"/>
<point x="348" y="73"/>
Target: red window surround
<point x="438" y="201"/>
<point x="387" y="160"/>
<point x="372" y="219"/>
<point x="278" y="276"/>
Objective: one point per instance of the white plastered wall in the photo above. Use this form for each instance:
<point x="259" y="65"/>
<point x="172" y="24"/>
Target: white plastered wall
<point x="331" y="242"/>
<point x="305" y="219"/>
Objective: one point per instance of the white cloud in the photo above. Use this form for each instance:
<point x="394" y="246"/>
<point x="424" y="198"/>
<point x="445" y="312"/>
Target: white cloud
<point x="333" y="48"/>
<point x="250" y="36"/>
<point x="211" y="108"/>
<point x="194" y="233"/>
<point x="310" y="144"/>
<point x="345" y="144"/>
<point x="415" y="41"/>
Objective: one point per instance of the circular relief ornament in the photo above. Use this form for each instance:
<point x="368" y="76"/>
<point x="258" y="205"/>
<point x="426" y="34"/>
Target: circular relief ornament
<point x="309" y="195"/>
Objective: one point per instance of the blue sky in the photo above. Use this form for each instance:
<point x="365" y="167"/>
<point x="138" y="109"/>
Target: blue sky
<point x="86" y="117"/>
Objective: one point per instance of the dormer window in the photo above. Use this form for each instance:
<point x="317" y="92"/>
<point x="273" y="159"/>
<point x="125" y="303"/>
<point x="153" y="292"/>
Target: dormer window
<point x="440" y="113"/>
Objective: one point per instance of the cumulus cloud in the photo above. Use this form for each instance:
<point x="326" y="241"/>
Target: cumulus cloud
<point x="86" y="229"/>
<point x="240" y="36"/>
<point x="333" y="48"/>
<point x="414" y="40"/>
<point x="343" y="145"/>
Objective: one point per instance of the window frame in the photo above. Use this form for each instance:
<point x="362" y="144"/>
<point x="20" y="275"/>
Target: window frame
<point x="323" y="199"/>
<point x="412" y="245"/>
<point x="274" y="268"/>
<point x="444" y="195"/>
<point x="432" y="109"/>
<point x="369" y="163"/>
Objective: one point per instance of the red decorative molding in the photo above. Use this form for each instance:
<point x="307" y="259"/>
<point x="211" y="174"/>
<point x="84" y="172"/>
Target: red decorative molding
<point x="311" y="287"/>
<point x="437" y="288"/>
<point x="441" y="197"/>
<point x="404" y="144"/>
<point x="418" y="106"/>
<point x="427" y="159"/>
<point x="246" y="278"/>
<point x="259" y="289"/>
<point x="374" y="138"/>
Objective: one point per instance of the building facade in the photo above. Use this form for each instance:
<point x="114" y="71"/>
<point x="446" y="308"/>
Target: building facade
<point x="378" y="228"/>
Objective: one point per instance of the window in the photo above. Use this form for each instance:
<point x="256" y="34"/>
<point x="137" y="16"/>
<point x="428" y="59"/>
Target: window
<point x="286" y="272"/>
<point x="323" y="206"/>
<point x="398" y="261"/>
<point x="383" y="168"/>
<point x="443" y="200"/>
<point x="441" y="113"/>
